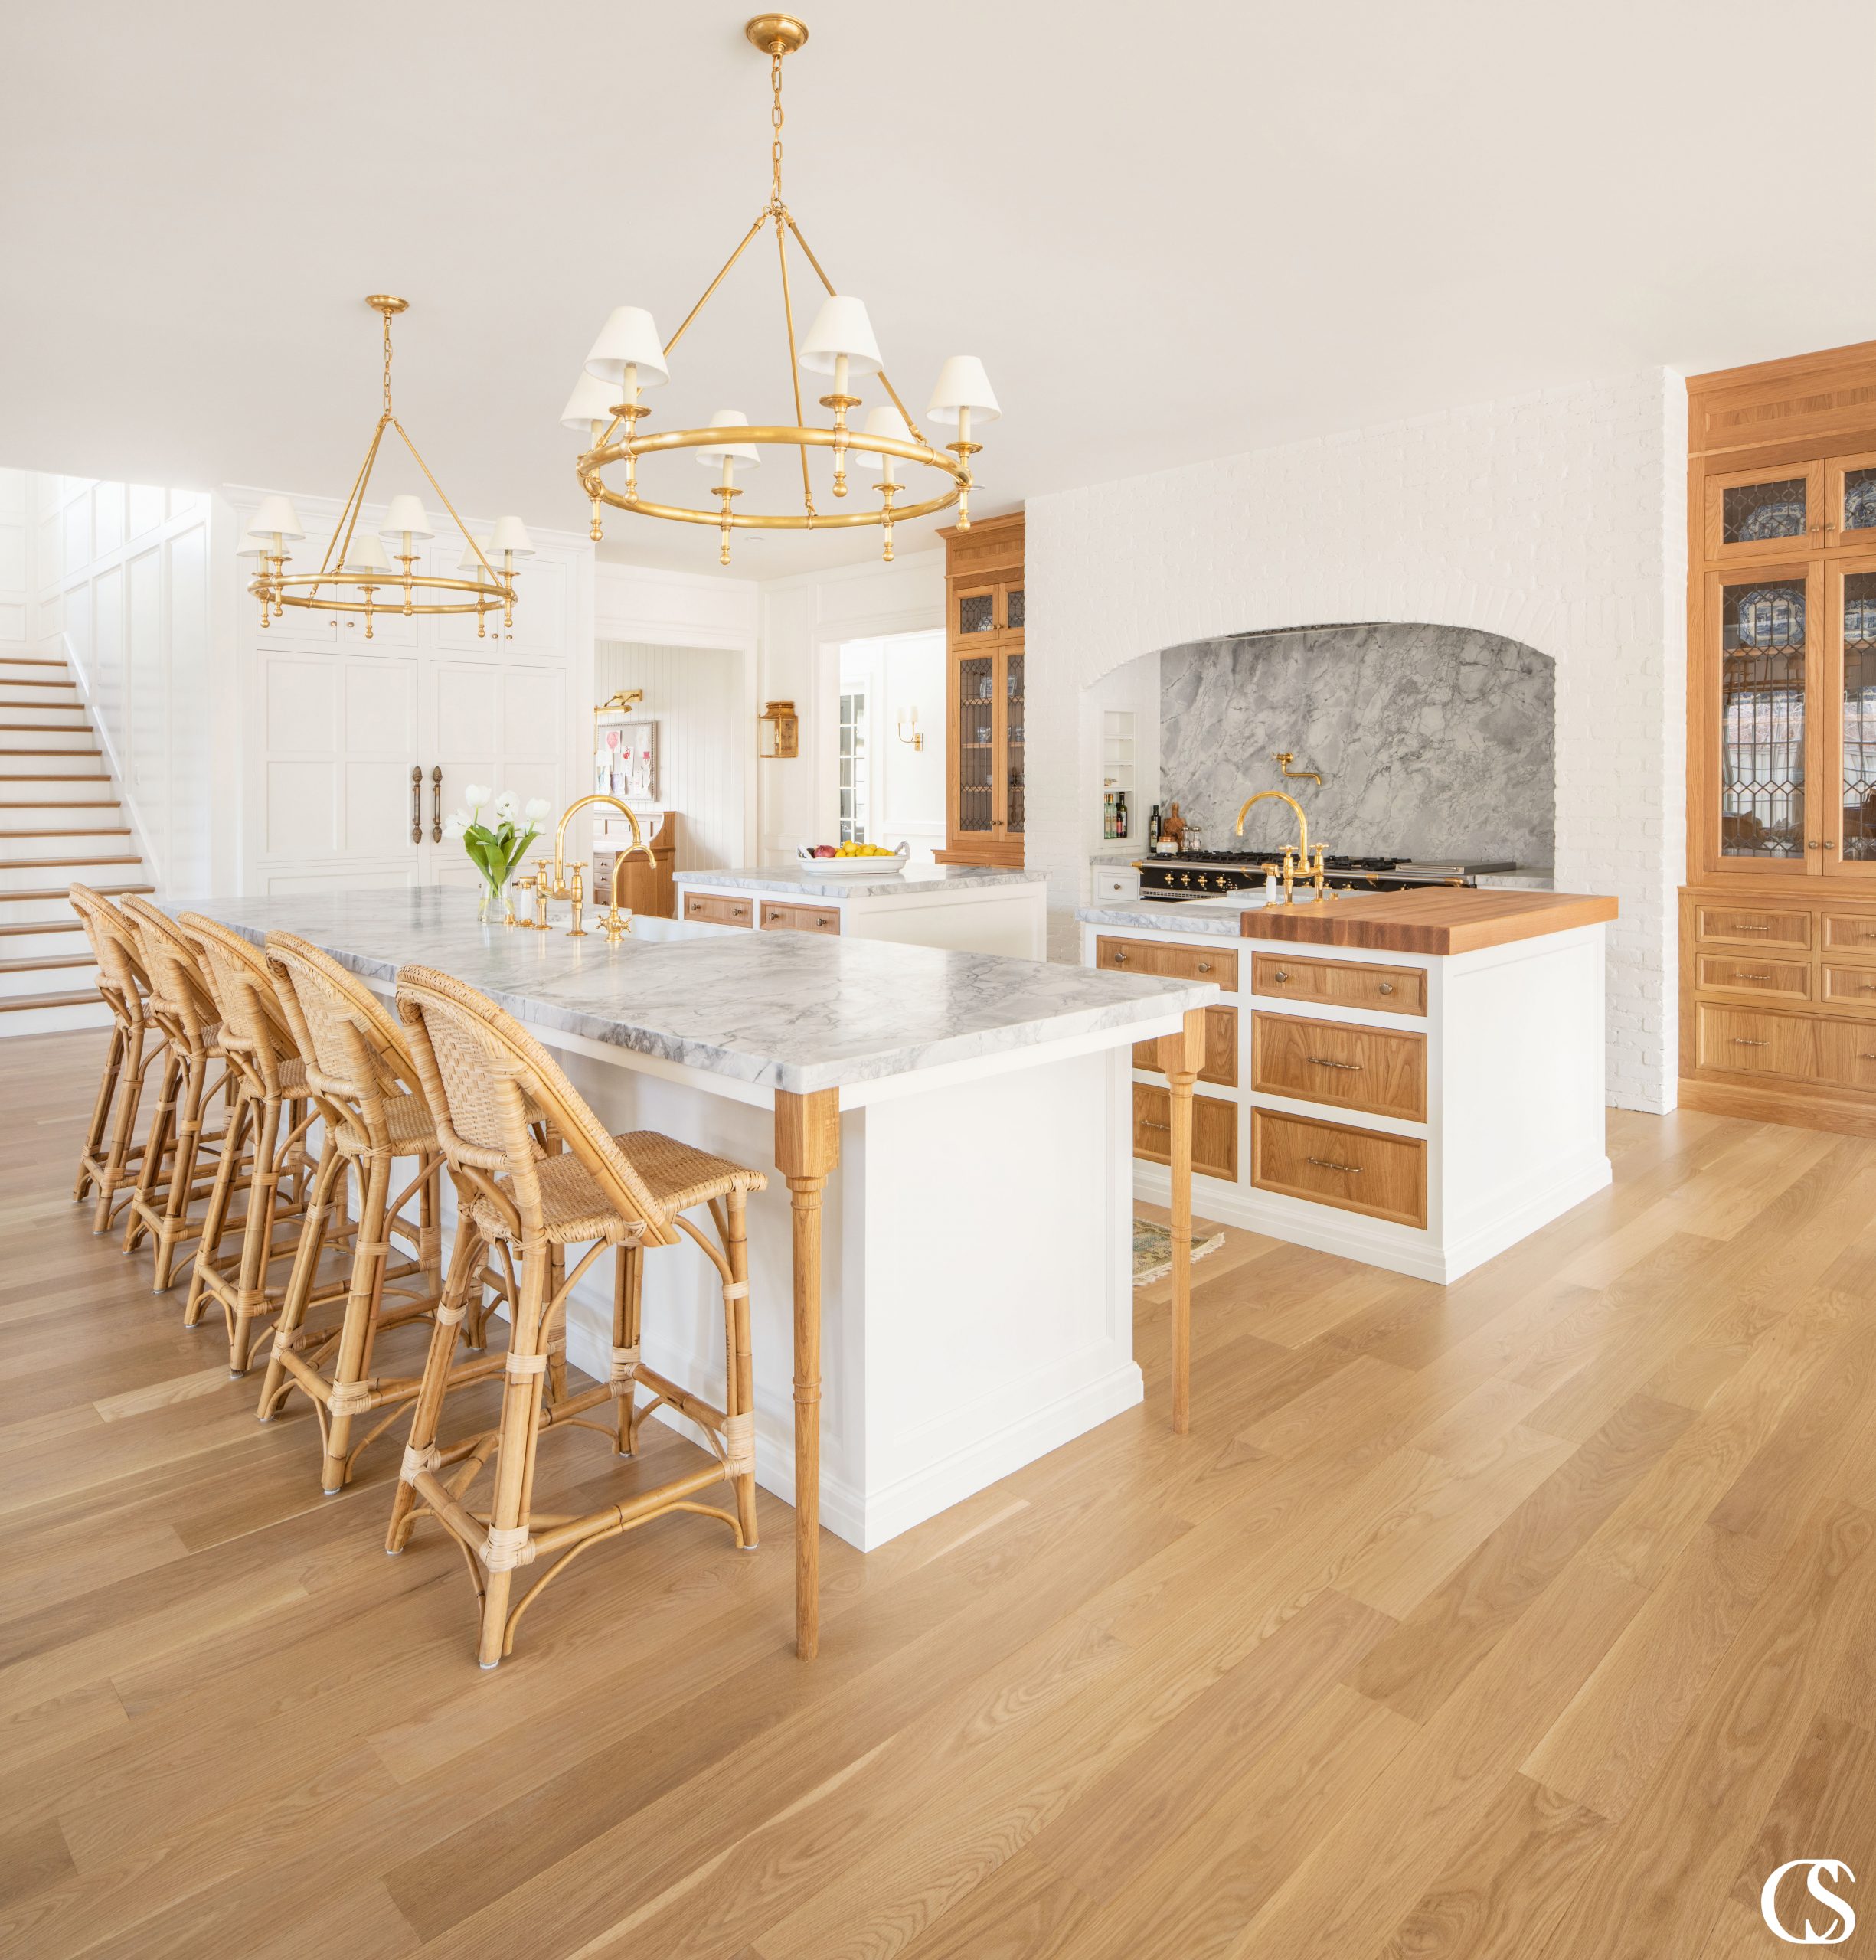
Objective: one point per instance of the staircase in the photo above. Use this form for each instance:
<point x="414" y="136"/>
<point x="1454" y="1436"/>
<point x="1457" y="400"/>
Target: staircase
<point x="60" y="819"/>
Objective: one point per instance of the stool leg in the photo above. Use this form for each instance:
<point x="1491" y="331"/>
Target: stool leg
<point x="739" y="1372"/>
<point x="100" y="1112"/>
<point x="215" y="1220"/>
<point x="520" y="1404"/>
<point x="556" y="1364"/>
<point x="131" y="1093"/>
<point x="361" y="1299"/>
<point x="188" y="1121"/>
<point x="628" y="1283"/>
<point x="258" y="1240"/>
<point x="149" y="1172"/>
<point x="427" y="1412"/>
<point x="299" y="1282"/>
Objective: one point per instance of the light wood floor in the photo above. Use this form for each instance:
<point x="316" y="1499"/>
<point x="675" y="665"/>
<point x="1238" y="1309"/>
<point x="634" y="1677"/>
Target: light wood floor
<point x="1532" y="1616"/>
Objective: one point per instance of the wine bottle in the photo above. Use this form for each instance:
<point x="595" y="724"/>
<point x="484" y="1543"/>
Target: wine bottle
<point x="1120" y="813"/>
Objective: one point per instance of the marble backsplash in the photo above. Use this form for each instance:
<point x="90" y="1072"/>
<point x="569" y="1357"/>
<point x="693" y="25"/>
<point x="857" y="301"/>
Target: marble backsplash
<point x="1434" y="742"/>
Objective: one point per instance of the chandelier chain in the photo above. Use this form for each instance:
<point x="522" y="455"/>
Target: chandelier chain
<point x="387" y="364"/>
<point x="775" y="122"/>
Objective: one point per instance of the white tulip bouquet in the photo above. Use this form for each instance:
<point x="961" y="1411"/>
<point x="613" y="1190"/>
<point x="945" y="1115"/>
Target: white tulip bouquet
<point x="496" y="843"/>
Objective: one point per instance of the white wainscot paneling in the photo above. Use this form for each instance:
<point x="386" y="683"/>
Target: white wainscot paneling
<point x="380" y="749"/>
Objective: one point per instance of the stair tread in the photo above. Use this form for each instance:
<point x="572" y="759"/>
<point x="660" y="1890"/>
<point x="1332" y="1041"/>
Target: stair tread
<point x="62" y="803"/>
<point x="35" y="963"/>
<point x="60" y="891"/>
<point x="31" y="680"/>
<point x="29" y="925"/>
<point x="30" y="660"/>
<point x="49" y="863"/>
<point x="69" y="775"/>
<point x="51" y="752"/>
<point x="74" y="830"/>
<point x="15" y="1002"/>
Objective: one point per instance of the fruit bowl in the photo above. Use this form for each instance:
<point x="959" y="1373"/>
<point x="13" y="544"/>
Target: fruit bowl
<point x="888" y="866"/>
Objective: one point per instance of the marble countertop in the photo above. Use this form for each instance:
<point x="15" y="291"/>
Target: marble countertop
<point x="794" y="1011"/>
<point x="1212" y="922"/>
<point x="915" y="881"/>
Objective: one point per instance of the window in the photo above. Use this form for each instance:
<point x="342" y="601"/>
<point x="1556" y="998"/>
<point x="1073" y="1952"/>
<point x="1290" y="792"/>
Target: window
<point x="855" y="768"/>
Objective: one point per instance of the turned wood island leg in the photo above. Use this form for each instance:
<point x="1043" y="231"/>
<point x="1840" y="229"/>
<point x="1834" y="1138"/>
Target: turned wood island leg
<point x="1182" y="1056"/>
<point x="807" y="1148"/>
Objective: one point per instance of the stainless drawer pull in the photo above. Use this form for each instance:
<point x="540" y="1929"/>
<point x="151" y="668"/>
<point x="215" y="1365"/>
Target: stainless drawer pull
<point x="1323" y="1062"/>
<point x="1745" y="1042"/>
<point x="1387" y="986"/>
<point x="1327" y="1163"/>
<point x="1754" y="976"/>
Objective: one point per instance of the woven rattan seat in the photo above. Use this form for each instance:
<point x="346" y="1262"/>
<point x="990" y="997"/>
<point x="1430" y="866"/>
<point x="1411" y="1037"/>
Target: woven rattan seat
<point x="497" y="1095"/>
<point x="407" y="1121"/>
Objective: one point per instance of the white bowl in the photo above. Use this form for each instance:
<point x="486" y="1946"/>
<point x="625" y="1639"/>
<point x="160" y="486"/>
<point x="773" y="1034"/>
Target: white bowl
<point x="854" y="867"/>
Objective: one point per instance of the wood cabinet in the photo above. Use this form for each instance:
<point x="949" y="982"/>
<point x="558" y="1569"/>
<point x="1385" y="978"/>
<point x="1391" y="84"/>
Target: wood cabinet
<point x="642" y="887"/>
<point x="1340" y="983"/>
<point x="984" y="690"/>
<point x="1221" y="1065"/>
<point x="1154" y="957"/>
<point x="719" y="911"/>
<point x="1781" y="728"/>
<point x="781" y="918"/>
<point x="1354" y="1170"/>
<point x="1370" y="1068"/>
<point x="1214" y="1131"/>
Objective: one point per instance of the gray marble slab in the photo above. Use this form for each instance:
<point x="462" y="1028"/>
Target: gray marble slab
<point x="794" y="1011"/>
<point x="915" y="881"/>
<point x="1205" y="922"/>
<point x="1435" y="743"/>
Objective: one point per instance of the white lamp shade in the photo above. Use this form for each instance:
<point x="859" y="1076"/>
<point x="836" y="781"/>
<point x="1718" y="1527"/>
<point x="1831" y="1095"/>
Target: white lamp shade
<point x="365" y="554"/>
<point x="630" y="337"/>
<point x="406" y="515"/>
<point x="592" y="400"/>
<point x="841" y="327"/>
<point x="962" y="384"/>
<point x="510" y="535"/>
<point x="745" y="455"/>
<point x="276" y="518"/>
<point x="885" y="420"/>
<point x="472" y="565"/>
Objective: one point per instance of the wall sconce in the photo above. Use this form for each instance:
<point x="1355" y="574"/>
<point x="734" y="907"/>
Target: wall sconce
<point x="914" y="740"/>
<point x="778" y="732"/>
<point x="622" y="702"/>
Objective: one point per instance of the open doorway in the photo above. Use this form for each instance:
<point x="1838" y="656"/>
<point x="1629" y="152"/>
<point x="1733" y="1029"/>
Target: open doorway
<point x="691" y="714"/>
<point x="891" y="755"/>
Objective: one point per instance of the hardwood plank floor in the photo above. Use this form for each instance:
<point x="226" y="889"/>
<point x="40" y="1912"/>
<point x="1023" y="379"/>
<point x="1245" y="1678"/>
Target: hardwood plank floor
<point x="1532" y="1616"/>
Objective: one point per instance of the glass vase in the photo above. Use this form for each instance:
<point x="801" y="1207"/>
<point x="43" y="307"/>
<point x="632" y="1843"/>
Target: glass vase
<point x="494" y="903"/>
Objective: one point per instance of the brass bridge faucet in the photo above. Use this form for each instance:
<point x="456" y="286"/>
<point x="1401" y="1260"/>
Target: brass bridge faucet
<point x="1293" y="854"/>
<point x="554" y="885"/>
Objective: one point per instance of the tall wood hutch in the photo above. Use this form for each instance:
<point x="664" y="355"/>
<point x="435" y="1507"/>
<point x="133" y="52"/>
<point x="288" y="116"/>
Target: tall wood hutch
<point x="984" y="693"/>
<point x="1778" y="918"/>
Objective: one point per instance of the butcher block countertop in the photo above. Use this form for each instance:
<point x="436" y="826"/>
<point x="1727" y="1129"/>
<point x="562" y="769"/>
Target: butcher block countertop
<point x="1438" y="919"/>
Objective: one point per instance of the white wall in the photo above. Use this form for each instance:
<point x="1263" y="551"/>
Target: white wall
<point x="1554" y="518"/>
<point x="121" y="579"/>
<point x="694" y="695"/>
<point x="805" y="619"/>
<point x="16" y="592"/>
<point x="905" y="801"/>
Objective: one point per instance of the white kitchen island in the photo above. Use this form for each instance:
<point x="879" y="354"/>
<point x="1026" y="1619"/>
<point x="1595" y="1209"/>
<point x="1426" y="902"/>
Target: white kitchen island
<point x="953" y="1220"/>
<point x="963" y="908"/>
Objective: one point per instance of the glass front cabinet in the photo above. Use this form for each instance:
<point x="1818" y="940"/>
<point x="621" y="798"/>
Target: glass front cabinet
<point x="984" y="731"/>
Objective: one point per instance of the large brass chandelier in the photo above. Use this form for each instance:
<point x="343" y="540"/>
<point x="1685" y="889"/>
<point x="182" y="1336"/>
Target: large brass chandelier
<point x="628" y="358"/>
<point x="356" y="575"/>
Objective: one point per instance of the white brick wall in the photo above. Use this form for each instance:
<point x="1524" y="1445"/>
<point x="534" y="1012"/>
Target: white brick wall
<point x="1554" y="518"/>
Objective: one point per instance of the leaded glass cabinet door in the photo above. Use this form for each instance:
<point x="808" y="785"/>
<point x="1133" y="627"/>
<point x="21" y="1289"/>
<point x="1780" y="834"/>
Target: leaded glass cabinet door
<point x="1765" y="628"/>
<point x="1766" y="513"/>
<point x="973" y="761"/>
<point x="1850" y="502"/>
<point x="1845" y="823"/>
<point x="1012" y="757"/>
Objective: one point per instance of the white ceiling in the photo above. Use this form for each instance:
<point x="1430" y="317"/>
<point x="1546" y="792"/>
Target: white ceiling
<point x="1171" y="232"/>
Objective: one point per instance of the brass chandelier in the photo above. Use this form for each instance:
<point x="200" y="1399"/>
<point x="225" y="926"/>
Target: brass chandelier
<point x="357" y="575"/>
<point x="628" y="358"/>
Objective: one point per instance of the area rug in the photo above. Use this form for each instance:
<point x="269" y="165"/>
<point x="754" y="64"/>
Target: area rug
<point x="1152" y="1250"/>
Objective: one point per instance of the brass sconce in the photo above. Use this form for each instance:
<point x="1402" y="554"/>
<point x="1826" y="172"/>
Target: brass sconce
<point x="914" y="740"/>
<point x="622" y="702"/>
<point x="778" y="732"/>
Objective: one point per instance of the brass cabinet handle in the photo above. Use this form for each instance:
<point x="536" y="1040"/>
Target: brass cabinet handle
<point x="1754" y="976"/>
<point x="1279" y="974"/>
<point x="1204" y="966"/>
<point x="1744" y="1041"/>
<point x="1323" y="1062"/>
<point x="1742" y="927"/>
<point x="1866" y="1058"/>
<point x="1147" y="1124"/>
<point x="736" y="911"/>
<point x="436" y="805"/>
<point x="1387" y="986"/>
<point x="1120" y="958"/>
<point x="822" y="919"/>
<point x="1821" y="843"/>
<point x="417" y="803"/>
<point x="1329" y="1163"/>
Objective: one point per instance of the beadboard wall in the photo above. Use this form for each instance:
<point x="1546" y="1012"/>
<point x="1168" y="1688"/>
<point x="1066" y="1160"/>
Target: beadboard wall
<point x="1555" y="519"/>
<point x="693" y="694"/>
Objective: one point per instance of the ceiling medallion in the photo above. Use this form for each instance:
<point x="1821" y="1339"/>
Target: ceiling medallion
<point x="357" y="575"/>
<point x="628" y="358"/>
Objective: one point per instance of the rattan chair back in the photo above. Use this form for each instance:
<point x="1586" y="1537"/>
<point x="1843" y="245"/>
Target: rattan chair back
<point x="179" y="987"/>
<point x="485" y="1075"/>
<point x="354" y="1051"/>
<point x="123" y="979"/>
<point x="254" y="1032"/>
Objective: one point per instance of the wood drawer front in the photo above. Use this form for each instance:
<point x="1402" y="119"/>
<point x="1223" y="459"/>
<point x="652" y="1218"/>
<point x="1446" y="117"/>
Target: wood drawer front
<point x="1740" y="973"/>
<point x="1165" y="962"/>
<point x="1341" y="983"/>
<point x="800" y="918"/>
<point x="1220" y="1049"/>
<point x="1751" y="1041"/>
<point x="1214" y="1131"/>
<point x="1845" y="986"/>
<point x="1752" y="925"/>
<point x="719" y="911"/>
<point x="1384" y="1177"/>
<point x="1847" y="1053"/>
<point x="1371" y="1068"/>
<point x="1849" y="931"/>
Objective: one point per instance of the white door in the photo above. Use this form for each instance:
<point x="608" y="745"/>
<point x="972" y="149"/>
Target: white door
<point x="339" y="739"/>
<point x="502" y="723"/>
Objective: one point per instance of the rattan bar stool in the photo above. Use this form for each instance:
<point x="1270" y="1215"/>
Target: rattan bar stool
<point x="364" y="1084"/>
<point x="111" y="1156"/>
<point x="267" y="1132"/>
<point x="174" y="1174"/>
<point x="483" y="1072"/>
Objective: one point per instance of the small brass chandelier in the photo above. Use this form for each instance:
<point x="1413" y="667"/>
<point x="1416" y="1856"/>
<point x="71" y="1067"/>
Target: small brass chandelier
<point x="357" y="575"/>
<point x="628" y="358"/>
